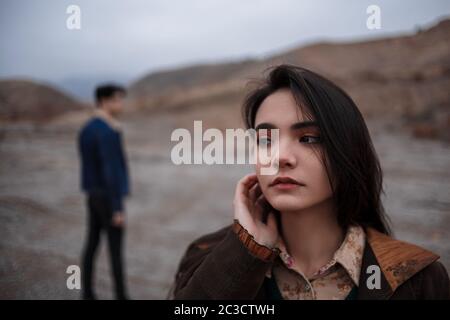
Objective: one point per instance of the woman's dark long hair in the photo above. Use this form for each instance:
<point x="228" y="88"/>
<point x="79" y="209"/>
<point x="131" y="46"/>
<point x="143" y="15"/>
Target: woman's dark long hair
<point x="351" y="161"/>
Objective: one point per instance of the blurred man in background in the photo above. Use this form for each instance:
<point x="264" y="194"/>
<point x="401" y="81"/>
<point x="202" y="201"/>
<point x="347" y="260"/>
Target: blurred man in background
<point x="104" y="178"/>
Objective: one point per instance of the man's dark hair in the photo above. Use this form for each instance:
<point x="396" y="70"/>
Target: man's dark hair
<point x="107" y="91"/>
<point x="349" y="157"/>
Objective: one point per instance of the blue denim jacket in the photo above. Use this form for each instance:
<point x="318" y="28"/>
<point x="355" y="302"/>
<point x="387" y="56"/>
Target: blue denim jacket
<point x="104" y="166"/>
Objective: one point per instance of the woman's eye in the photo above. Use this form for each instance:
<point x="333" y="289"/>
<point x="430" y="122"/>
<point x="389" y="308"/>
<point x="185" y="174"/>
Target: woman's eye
<point x="310" y="139"/>
<point x="264" y="141"/>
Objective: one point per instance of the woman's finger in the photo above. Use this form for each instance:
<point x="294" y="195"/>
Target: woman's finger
<point x="254" y="193"/>
<point x="260" y="207"/>
<point x="244" y="185"/>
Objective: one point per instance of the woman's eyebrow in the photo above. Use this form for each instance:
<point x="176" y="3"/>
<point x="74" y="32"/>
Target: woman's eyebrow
<point x="295" y="126"/>
<point x="265" y="125"/>
<point x="304" y="124"/>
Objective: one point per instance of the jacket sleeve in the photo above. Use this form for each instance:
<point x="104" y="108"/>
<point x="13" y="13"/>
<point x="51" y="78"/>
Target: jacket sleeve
<point x="109" y="147"/>
<point x="228" y="270"/>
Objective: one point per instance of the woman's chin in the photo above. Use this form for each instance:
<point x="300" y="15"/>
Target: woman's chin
<point x="287" y="203"/>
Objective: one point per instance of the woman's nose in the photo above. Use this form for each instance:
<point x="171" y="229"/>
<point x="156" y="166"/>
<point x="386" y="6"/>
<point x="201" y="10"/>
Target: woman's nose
<point x="286" y="157"/>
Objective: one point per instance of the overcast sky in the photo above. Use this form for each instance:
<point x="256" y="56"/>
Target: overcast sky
<point x="127" y="39"/>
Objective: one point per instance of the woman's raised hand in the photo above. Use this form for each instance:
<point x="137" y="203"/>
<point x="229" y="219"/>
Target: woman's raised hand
<point x="250" y="207"/>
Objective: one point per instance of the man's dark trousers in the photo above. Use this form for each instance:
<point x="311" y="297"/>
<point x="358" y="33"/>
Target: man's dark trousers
<point x="100" y="221"/>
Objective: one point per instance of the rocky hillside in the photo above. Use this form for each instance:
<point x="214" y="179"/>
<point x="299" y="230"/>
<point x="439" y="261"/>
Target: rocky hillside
<point x="24" y="100"/>
<point x="405" y="77"/>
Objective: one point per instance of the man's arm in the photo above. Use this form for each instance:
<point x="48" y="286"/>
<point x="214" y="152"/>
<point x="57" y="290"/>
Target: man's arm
<point x="109" y="151"/>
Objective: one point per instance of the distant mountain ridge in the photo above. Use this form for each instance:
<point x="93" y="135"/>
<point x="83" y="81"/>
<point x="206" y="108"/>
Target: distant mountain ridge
<point x="416" y="58"/>
<point x="26" y="100"/>
<point x="405" y="77"/>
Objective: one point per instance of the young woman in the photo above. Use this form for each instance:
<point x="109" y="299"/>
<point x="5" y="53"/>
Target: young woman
<point x="316" y="229"/>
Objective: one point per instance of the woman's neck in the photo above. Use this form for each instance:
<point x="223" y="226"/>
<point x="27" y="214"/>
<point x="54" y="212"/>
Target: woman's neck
<point x="312" y="236"/>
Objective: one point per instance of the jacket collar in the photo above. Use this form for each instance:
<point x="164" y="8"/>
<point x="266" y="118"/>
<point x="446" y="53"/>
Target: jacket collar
<point x="398" y="261"/>
<point x="110" y="120"/>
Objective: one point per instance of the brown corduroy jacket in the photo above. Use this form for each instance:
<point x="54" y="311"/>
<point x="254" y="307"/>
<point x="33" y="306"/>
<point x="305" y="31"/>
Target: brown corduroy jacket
<point x="219" y="266"/>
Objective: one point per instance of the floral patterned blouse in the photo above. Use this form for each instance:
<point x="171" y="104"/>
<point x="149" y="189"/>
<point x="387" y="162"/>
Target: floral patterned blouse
<point x="333" y="281"/>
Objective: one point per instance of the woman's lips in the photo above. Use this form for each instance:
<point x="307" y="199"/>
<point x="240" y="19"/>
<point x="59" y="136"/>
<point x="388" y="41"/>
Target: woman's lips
<point x="286" y="186"/>
<point x="285" y="183"/>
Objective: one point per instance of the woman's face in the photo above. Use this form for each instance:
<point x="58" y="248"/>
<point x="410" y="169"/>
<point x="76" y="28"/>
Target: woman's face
<point x="299" y="155"/>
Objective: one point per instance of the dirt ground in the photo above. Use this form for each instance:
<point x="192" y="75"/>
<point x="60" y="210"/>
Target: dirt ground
<point x="42" y="211"/>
